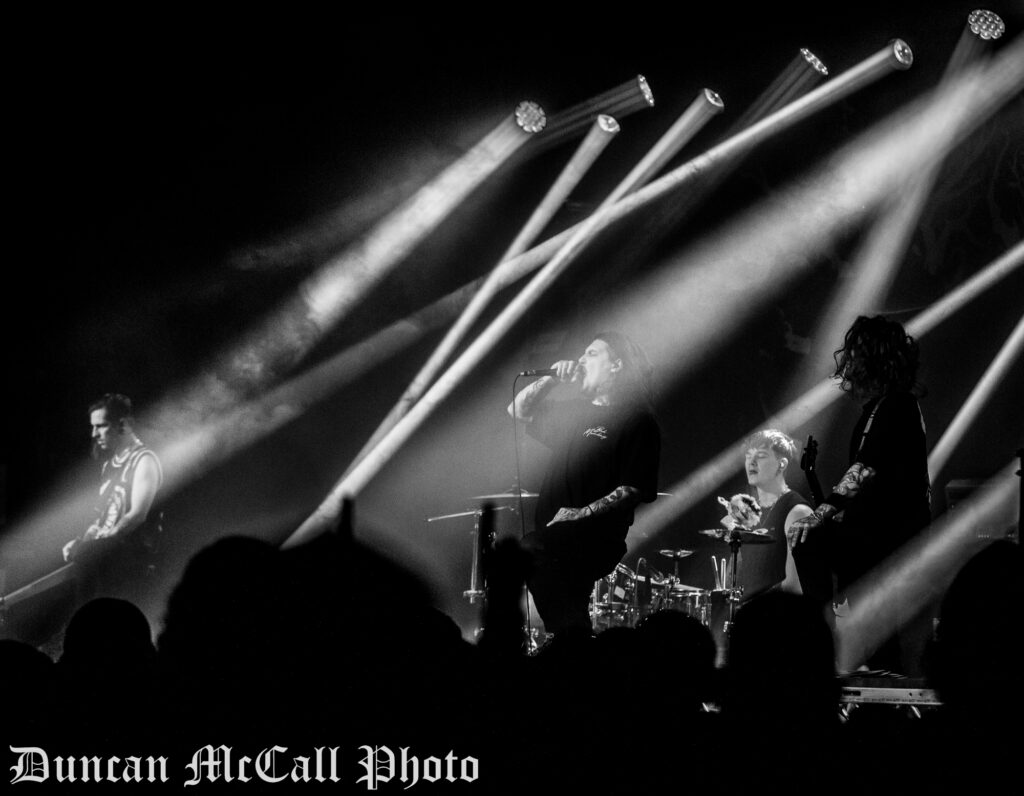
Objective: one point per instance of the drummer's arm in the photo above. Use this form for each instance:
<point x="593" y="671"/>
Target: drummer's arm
<point x="791" y="583"/>
<point x="621" y="498"/>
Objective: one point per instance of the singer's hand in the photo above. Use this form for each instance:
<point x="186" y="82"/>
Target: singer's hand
<point x="566" y="369"/>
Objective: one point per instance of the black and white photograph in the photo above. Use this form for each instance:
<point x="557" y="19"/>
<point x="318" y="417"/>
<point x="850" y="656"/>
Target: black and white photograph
<point x="514" y="399"/>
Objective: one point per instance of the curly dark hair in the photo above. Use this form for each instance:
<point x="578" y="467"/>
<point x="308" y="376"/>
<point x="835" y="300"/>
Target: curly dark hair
<point x="877" y="357"/>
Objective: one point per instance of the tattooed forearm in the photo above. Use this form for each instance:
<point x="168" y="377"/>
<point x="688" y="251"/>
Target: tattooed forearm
<point x="620" y="497"/>
<point x="526" y="401"/>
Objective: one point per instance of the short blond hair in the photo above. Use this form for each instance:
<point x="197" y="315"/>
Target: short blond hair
<point x="779" y="442"/>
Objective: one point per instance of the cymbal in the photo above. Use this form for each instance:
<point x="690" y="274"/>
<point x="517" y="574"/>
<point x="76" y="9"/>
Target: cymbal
<point x="505" y="496"/>
<point x="677" y="554"/>
<point x="759" y="536"/>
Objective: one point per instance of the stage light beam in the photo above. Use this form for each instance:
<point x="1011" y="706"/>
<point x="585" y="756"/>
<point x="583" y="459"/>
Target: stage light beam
<point x="918" y="573"/>
<point x="653" y="519"/>
<point x="996" y="372"/>
<point x="868" y="278"/>
<point x="618" y="102"/>
<point x="897" y="55"/>
<point x="700" y="111"/>
<point x="594" y="143"/>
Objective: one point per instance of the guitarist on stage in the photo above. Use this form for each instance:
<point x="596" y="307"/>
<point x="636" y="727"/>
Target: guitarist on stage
<point x="883" y="498"/>
<point x="115" y="550"/>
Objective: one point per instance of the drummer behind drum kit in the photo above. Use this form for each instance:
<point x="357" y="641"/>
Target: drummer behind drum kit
<point x="624" y="597"/>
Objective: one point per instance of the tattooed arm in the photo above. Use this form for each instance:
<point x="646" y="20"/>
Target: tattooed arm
<point x="621" y="498"/>
<point x="522" y="408"/>
<point x="848" y="488"/>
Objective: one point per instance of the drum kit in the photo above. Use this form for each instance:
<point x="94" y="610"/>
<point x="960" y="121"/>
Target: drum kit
<point x="624" y="597"/>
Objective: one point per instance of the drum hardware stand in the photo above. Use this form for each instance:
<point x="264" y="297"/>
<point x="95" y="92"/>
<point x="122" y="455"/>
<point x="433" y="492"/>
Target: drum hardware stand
<point x="673" y="579"/>
<point x="734" y="592"/>
<point x="477" y="590"/>
<point x="483" y="541"/>
<point x="635" y="609"/>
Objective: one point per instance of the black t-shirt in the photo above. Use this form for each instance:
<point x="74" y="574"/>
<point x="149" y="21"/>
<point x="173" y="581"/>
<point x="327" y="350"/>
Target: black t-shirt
<point x="595" y="449"/>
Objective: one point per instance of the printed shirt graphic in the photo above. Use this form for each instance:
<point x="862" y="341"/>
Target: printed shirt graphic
<point x="594" y="449"/>
<point x="116" y="484"/>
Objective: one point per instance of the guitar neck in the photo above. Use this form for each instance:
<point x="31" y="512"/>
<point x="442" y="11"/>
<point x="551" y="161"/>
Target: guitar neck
<point x="815" y="487"/>
<point x="38" y="586"/>
<point x="807" y="465"/>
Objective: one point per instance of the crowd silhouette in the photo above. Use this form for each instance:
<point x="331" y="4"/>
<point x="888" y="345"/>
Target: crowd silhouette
<point x="264" y="647"/>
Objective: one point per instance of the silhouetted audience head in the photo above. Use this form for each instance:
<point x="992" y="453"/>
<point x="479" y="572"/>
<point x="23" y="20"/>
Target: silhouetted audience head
<point x="682" y="647"/>
<point x="333" y="643"/>
<point x="976" y="653"/>
<point x="781" y="666"/>
<point x="224" y="603"/>
<point x="107" y="633"/>
<point x="31" y="693"/>
<point x="109" y="692"/>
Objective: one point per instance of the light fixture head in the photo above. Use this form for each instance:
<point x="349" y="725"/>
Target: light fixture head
<point x="902" y="53"/>
<point x="985" y="24"/>
<point x="645" y="89"/>
<point x="814" y="61"/>
<point x="530" y="116"/>
<point x="713" y="99"/>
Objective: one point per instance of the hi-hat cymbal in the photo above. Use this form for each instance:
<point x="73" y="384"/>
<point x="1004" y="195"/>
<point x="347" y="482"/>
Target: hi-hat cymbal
<point x="677" y="554"/>
<point x="505" y="496"/>
<point x="760" y="536"/>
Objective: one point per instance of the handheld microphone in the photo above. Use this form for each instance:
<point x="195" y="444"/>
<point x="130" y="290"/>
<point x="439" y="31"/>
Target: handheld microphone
<point x="541" y="372"/>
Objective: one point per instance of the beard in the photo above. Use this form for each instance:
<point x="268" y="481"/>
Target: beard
<point x="100" y="454"/>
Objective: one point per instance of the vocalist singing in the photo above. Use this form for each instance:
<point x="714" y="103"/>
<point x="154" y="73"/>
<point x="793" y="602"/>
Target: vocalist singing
<point x="605" y="445"/>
